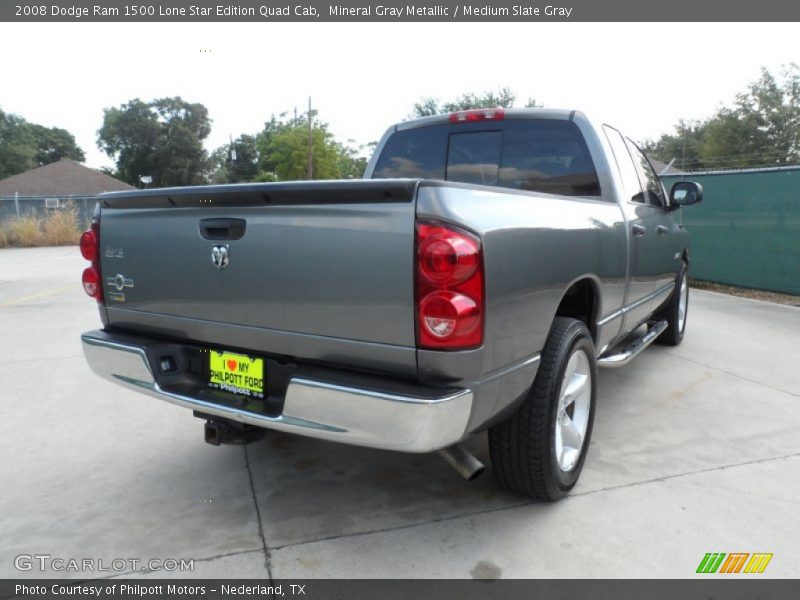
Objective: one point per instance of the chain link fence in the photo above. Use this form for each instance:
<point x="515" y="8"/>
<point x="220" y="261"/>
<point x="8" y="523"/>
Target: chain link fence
<point x="40" y="206"/>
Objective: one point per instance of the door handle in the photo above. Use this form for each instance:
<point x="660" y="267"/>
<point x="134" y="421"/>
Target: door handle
<point x="638" y="230"/>
<point x="222" y="229"/>
<point x="662" y="230"/>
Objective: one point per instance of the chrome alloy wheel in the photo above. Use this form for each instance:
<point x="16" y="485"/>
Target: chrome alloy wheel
<point x="574" y="405"/>
<point x="683" y="303"/>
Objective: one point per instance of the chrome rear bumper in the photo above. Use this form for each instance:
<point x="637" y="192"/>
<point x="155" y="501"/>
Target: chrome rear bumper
<point x="422" y="421"/>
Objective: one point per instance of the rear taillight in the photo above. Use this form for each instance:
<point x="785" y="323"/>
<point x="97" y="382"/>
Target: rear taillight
<point x="450" y="300"/>
<point x="480" y="114"/>
<point x="91" y="281"/>
<point x="89" y="245"/>
<point x="90" y="250"/>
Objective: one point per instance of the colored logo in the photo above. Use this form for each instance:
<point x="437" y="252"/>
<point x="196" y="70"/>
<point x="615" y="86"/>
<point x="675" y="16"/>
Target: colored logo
<point x="735" y="562"/>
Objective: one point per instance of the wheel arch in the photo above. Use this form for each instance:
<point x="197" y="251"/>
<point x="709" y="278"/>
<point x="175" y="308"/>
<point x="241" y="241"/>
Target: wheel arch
<point x="581" y="300"/>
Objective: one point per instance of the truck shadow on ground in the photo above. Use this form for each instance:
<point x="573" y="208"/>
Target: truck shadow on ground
<point x="309" y="489"/>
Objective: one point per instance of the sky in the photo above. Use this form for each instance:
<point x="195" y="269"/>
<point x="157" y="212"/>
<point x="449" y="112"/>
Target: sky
<point x="363" y="77"/>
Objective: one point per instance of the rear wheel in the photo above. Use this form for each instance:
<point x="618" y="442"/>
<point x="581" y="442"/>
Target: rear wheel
<point x="540" y="450"/>
<point x="674" y="312"/>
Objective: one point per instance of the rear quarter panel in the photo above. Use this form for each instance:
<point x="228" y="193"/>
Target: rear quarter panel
<point x="535" y="246"/>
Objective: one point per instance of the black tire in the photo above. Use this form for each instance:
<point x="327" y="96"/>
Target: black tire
<point x="670" y="312"/>
<point x="523" y="447"/>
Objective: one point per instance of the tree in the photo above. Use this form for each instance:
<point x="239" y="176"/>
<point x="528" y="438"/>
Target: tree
<point x="684" y="145"/>
<point x="426" y="107"/>
<point x="287" y="150"/>
<point x="503" y="98"/>
<point x="352" y="162"/>
<point x="162" y="138"/>
<point x="762" y="128"/>
<point x="266" y="163"/>
<point x="283" y="151"/>
<point x="236" y="162"/>
<point x="733" y="140"/>
<point x="25" y="145"/>
<point x="16" y="145"/>
<point x="53" y="144"/>
<point x="279" y="152"/>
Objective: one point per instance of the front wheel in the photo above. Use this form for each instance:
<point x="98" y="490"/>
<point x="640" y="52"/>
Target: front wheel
<point x="540" y="450"/>
<point x="674" y="312"/>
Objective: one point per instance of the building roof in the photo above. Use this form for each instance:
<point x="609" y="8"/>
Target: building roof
<point x="63" y="178"/>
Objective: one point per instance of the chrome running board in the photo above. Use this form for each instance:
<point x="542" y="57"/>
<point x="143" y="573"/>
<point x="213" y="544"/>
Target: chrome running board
<point x="623" y="357"/>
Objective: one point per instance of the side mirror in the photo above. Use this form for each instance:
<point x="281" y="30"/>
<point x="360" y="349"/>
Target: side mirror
<point x="684" y="193"/>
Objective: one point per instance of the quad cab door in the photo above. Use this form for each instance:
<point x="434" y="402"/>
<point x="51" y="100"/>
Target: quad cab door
<point x="649" y="225"/>
<point x="660" y="223"/>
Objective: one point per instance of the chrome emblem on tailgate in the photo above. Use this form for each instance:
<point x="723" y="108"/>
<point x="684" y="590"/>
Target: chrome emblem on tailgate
<point x="219" y="256"/>
<point x="119" y="281"/>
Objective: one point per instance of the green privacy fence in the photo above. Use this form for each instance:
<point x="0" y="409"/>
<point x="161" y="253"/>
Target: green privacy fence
<point x="746" y="232"/>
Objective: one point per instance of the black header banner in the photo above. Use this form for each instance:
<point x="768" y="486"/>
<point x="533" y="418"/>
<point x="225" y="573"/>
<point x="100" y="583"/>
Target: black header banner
<point x="399" y="11"/>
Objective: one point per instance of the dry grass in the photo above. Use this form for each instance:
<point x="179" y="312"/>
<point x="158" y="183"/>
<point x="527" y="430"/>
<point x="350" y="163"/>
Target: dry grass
<point x="24" y="231"/>
<point x="54" y="228"/>
<point x="61" y="228"/>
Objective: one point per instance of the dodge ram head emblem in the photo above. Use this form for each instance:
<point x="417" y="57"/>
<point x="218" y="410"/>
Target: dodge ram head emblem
<point x="219" y="256"/>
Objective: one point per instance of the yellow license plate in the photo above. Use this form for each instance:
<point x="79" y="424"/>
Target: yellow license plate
<point x="236" y="373"/>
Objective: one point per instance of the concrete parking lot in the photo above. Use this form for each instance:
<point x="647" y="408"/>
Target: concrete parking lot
<point x="695" y="449"/>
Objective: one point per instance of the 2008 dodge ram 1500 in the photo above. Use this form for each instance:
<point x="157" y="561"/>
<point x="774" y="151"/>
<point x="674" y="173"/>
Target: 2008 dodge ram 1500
<point x="487" y="264"/>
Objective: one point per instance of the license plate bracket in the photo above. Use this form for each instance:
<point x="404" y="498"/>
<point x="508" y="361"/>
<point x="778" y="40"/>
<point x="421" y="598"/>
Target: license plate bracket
<point x="236" y="373"/>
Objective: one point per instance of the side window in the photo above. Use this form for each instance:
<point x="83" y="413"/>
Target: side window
<point x="632" y="187"/>
<point x="653" y="193"/>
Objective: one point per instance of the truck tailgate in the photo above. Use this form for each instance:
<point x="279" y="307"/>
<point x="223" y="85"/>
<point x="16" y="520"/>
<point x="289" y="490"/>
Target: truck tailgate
<point x="331" y="262"/>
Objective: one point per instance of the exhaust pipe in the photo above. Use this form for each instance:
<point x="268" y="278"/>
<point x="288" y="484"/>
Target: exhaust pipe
<point x="463" y="461"/>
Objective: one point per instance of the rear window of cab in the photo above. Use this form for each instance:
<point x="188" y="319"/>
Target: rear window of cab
<point x="534" y="155"/>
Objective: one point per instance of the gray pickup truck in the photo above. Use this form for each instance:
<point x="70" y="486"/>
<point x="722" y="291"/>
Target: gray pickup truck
<point x="488" y="263"/>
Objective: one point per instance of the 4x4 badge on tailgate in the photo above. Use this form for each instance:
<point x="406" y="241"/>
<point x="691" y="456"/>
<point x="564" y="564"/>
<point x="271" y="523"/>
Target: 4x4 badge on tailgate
<point x="220" y="256"/>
